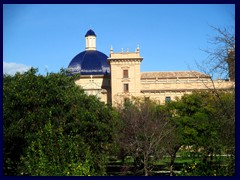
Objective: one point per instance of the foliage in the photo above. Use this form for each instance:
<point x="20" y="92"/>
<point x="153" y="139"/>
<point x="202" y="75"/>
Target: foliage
<point x="142" y="134"/>
<point x="203" y="125"/>
<point x="198" y="169"/>
<point x="193" y="119"/>
<point x="51" y="127"/>
<point x="216" y="168"/>
<point x="221" y="63"/>
<point x="27" y="101"/>
<point x="53" y="154"/>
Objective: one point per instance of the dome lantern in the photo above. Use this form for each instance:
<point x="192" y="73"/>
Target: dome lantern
<point x="90" y="40"/>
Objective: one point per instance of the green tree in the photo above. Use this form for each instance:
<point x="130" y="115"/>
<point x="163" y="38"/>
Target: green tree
<point x="201" y="124"/>
<point x="194" y="119"/>
<point x="27" y="100"/>
<point x="52" y="153"/>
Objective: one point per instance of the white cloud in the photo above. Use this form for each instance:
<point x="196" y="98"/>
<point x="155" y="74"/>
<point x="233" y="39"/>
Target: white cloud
<point x="12" y="68"/>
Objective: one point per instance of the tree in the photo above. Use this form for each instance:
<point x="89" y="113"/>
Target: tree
<point x="224" y="116"/>
<point x="190" y="120"/>
<point x="54" y="153"/>
<point x="202" y="125"/>
<point x="221" y="63"/>
<point x="194" y="118"/>
<point x="174" y="140"/>
<point x="144" y="129"/>
<point x="28" y="100"/>
<point x="172" y="146"/>
<point x="221" y="58"/>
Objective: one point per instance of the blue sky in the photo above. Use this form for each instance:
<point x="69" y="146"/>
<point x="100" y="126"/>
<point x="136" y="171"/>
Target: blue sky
<point x="170" y="36"/>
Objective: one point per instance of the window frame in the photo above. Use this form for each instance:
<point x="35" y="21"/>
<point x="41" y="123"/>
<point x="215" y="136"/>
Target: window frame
<point x="125" y="87"/>
<point x="167" y="99"/>
<point x="125" y="73"/>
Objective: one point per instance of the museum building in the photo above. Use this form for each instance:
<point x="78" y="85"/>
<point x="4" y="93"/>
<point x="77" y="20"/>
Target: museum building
<point x="118" y="77"/>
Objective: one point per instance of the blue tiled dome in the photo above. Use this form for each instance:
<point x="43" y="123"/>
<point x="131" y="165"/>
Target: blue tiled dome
<point x="91" y="62"/>
<point x="90" y="33"/>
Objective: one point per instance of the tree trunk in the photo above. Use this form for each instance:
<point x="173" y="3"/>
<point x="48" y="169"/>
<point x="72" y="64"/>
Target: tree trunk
<point x="145" y="166"/>
<point x="145" y="171"/>
<point x="171" y="163"/>
<point x="173" y="157"/>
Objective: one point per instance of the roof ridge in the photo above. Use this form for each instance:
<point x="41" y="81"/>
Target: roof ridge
<point x="167" y="74"/>
<point x="168" y="71"/>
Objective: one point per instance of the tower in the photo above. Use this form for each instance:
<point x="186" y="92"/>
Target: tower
<point x="125" y="75"/>
<point x="90" y="40"/>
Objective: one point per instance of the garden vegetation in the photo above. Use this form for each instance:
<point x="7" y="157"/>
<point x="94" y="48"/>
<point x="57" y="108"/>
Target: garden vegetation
<point x="52" y="128"/>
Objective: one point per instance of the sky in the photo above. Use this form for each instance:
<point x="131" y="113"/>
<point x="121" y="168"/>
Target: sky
<point x="171" y="37"/>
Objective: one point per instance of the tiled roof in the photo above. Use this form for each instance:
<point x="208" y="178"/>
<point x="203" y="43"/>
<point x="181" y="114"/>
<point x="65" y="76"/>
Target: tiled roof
<point x="91" y="62"/>
<point x="172" y="75"/>
<point x="90" y="33"/>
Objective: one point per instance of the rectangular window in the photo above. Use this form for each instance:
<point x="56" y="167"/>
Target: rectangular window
<point x="125" y="88"/>
<point x="125" y="73"/>
<point x="167" y="99"/>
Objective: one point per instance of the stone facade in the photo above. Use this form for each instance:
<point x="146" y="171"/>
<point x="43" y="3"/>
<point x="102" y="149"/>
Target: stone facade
<point x="98" y="85"/>
<point x="159" y="86"/>
<point x="125" y="75"/>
